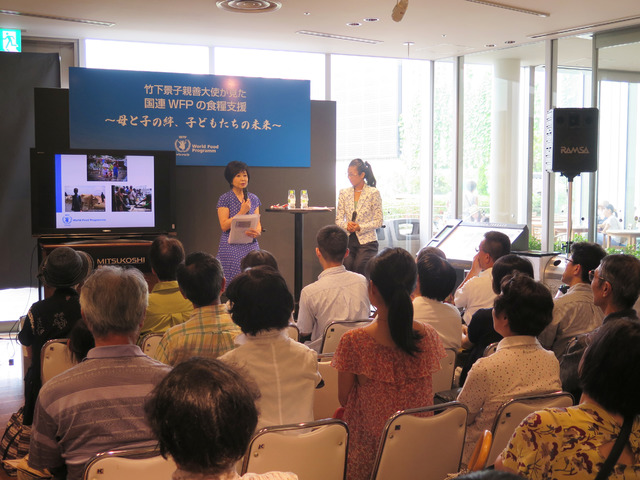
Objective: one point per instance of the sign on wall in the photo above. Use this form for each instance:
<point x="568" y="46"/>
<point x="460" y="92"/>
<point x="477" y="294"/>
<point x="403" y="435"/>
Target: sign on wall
<point x="10" y="40"/>
<point x="206" y="119"/>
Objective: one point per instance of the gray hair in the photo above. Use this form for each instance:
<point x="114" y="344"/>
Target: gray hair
<point x="114" y="300"/>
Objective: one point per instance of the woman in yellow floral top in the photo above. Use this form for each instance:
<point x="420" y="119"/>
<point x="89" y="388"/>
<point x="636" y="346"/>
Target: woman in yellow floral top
<point x="574" y="442"/>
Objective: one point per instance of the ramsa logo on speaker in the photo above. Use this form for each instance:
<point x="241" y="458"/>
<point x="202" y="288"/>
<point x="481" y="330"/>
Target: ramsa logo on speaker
<point x="571" y="150"/>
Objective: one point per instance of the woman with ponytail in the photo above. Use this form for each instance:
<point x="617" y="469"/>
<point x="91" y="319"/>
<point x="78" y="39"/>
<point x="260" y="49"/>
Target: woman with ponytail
<point x="387" y="365"/>
<point x="359" y="212"/>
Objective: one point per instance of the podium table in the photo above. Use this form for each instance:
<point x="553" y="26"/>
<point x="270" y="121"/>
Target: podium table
<point x="298" y="242"/>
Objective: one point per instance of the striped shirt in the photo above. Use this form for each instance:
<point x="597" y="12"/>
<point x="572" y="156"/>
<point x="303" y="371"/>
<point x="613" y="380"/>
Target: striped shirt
<point x="209" y="333"/>
<point x="93" y="407"/>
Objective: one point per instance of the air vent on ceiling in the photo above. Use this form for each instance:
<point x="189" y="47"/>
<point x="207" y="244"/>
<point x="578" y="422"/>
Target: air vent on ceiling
<point x="248" y="6"/>
<point x="56" y="17"/>
<point x="339" y="37"/>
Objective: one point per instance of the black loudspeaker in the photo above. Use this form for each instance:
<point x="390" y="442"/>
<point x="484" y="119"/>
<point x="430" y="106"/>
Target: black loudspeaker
<point x="571" y="140"/>
<point x="51" y="118"/>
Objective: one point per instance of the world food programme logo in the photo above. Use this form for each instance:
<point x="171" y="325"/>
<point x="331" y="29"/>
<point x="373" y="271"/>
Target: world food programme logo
<point x="182" y="144"/>
<point x="66" y="219"/>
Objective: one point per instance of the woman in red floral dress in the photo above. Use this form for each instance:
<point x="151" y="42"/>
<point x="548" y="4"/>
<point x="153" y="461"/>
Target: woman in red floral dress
<point x="387" y="365"/>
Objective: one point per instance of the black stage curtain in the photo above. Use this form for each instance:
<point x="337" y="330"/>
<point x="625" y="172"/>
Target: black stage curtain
<point x="20" y="73"/>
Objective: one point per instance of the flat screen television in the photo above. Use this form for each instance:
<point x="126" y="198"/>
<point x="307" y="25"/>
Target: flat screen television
<point x="97" y="193"/>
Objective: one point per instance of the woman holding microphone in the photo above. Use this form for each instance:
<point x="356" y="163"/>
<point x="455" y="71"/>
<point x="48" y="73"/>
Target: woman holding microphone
<point x="235" y="202"/>
<point x="359" y="212"/>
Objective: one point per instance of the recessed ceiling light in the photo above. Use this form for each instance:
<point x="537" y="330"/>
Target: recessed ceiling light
<point x="509" y="42"/>
<point x="371" y="19"/>
<point x="307" y="13"/>
<point x="354" y="24"/>
<point x="490" y="45"/>
<point x="248" y="6"/>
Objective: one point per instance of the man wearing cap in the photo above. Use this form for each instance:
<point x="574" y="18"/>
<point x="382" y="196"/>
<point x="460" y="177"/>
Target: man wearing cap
<point x="53" y="317"/>
<point x="98" y="405"/>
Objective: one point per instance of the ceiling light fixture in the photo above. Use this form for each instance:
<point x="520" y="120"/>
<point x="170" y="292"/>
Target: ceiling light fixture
<point x="338" y="37"/>
<point x="509" y="7"/>
<point x="372" y="19"/>
<point x="399" y="10"/>
<point x="55" y="17"/>
<point x="585" y="27"/>
<point x="354" y="24"/>
<point x="248" y="6"/>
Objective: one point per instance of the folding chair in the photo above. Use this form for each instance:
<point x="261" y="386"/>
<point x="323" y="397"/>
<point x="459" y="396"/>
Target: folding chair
<point x="143" y="463"/>
<point x="334" y="331"/>
<point x="55" y="358"/>
<point x="312" y="450"/>
<point x="491" y="349"/>
<point x="149" y="343"/>
<point x="443" y="378"/>
<point x="418" y="447"/>
<point x="511" y="413"/>
<point x="293" y="331"/>
<point x="326" y="401"/>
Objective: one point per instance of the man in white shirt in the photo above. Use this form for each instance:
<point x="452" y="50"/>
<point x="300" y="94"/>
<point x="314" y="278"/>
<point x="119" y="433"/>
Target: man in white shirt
<point x="476" y="291"/>
<point x="575" y="313"/>
<point x="436" y="281"/>
<point x="337" y="295"/>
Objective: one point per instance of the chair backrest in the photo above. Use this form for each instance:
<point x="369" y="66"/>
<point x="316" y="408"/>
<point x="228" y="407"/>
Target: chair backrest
<point x="130" y="464"/>
<point x="149" y="343"/>
<point x="55" y="358"/>
<point x="511" y="413"/>
<point x="294" y="332"/>
<point x="419" y="447"/>
<point x="312" y="450"/>
<point x="325" y="400"/>
<point x="443" y="378"/>
<point x="334" y="331"/>
<point x="491" y="349"/>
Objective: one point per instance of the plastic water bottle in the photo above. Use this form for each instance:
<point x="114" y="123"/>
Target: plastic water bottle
<point x="292" y="199"/>
<point x="304" y="199"/>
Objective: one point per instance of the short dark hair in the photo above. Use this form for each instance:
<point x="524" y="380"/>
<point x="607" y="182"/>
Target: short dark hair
<point x="332" y="242"/>
<point x="260" y="300"/>
<point x="200" y="278"/>
<point x="623" y="273"/>
<point x="203" y="414"/>
<point x="256" y="258"/>
<point x="527" y="304"/>
<point x="588" y="255"/>
<point x="165" y="254"/>
<point x="437" y="277"/>
<point x="430" y="251"/>
<point x="496" y="244"/>
<point x="233" y="168"/>
<point x="506" y="266"/>
<point x="609" y="370"/>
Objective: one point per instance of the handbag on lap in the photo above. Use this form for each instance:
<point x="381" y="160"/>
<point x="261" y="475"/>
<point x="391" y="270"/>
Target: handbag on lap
<point x="15" y="441"/>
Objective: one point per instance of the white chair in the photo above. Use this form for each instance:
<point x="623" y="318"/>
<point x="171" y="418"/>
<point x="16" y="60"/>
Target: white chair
<point x="55" y="358"/>
<point x="418" y="447"/>
<point x="318" y="452"/>
<point x="149" y="343"/>
<point x="443" y="378"/>
<point x="511" y="413"/>
<point x="325" y="401"/>
<point x="293" y="331"/>
<point x="490" y="349"/>
<point x="130" y="464"/>
<point x="334" y="331"/>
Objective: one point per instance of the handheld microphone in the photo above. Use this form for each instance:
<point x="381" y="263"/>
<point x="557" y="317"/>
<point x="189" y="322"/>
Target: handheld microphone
<point x="245" y="193"/>
<point x="354" y="215"/>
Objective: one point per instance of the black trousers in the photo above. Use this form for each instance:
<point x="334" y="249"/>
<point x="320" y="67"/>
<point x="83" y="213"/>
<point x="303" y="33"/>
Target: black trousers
<point x="359" y="255"/>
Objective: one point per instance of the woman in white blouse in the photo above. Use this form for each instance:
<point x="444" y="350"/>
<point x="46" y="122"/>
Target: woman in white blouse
<point x="359" y="212"/>
<point x="520" y="366"/>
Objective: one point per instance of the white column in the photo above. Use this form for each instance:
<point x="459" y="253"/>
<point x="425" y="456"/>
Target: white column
<point x="503" y="178"/>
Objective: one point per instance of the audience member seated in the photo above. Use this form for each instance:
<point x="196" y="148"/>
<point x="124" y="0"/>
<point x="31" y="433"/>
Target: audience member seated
<point x="167" y="306"/>
<point x="338" y="294"/>
<point x="387" y="365"/>
<point x="98" y="405"/>
<point x="574" y="312"/>
<point x="436" y="281"/>
<point x="604" y="429"/>
<point x="203" y="414"/>
<point x="209" y="332"/>
<point x="80" y="341"/>
<point x="285" y="371"/>
<point x="53" y="317"/>
<point x="256" y="258"/>
<point x="520" y="366"/>
<point x="480" y="332"/>
<point x="615" y="285"/>
<point x="475" y="290"/>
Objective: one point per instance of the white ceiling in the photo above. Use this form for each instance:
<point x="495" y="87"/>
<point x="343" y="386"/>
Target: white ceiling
<point x="439" y="28"/>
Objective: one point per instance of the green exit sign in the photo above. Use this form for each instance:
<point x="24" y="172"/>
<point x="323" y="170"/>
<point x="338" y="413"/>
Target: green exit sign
<point x="10" y="40"/>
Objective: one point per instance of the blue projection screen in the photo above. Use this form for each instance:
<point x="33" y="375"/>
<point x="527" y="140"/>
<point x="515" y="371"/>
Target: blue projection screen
<point x="206" y="119"/>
